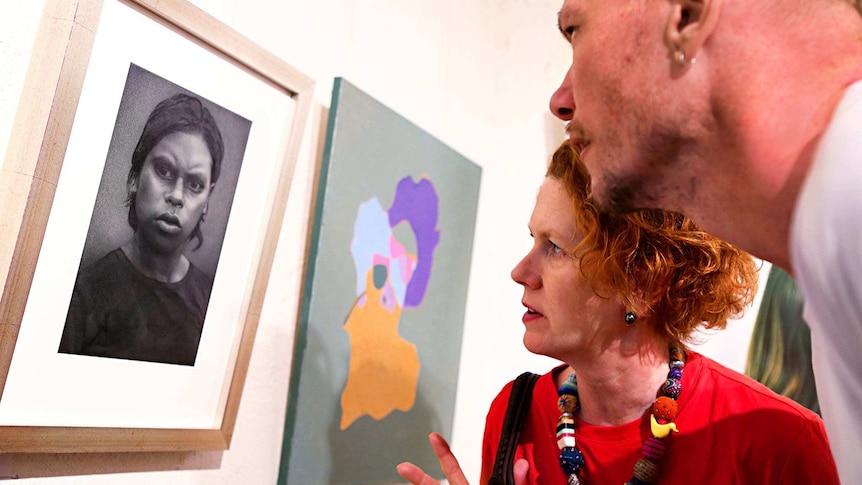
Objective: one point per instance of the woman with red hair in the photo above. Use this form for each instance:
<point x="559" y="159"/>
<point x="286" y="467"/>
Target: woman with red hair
<point x="616" y="298"/>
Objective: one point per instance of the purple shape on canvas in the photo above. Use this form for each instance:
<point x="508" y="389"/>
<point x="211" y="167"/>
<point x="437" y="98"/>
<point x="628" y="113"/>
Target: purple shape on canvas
<point x="417" y="203"/>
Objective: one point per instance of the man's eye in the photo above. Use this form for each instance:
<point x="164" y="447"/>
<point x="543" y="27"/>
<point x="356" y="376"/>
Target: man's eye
<point x="570" y="31"/>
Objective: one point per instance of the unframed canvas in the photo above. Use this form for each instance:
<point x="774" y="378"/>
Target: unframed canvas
<point x="378" y="345"/>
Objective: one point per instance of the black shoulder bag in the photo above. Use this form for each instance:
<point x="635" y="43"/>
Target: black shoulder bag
<point x="516" y="413"/>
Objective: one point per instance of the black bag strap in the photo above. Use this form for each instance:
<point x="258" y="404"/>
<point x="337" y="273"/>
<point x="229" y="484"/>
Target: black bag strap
<point x="516" y="413"/>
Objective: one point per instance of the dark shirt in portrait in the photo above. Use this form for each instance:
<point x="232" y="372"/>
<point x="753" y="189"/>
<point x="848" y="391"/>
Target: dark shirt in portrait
<point x="118" y="312"/>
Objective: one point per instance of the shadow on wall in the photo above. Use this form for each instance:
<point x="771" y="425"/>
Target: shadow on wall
<point x="780" y="352"/>
<point x="42" y="465"/>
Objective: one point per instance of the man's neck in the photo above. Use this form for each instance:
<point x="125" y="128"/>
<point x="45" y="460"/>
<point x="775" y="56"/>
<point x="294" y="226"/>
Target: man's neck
<point x="773" y="101"/>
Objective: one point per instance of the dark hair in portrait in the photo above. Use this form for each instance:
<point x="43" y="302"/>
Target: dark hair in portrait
<point x="152" y="249"/>
<point x="779" y="355"/>
<point x="180" y="113"/>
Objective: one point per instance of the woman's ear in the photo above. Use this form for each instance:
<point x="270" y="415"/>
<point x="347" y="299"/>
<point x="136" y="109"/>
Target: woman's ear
<point x="636" y="303"/>
<point x="690" y="23"/>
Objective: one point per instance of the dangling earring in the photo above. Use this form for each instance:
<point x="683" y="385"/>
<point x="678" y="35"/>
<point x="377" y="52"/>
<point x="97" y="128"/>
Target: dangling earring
<point x="630" y="318"/>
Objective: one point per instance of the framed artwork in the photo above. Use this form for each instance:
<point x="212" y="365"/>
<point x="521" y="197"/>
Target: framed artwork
<point x="143" y="191"/>
<point x="378" y="345"/>
<point x="779" y="353"/>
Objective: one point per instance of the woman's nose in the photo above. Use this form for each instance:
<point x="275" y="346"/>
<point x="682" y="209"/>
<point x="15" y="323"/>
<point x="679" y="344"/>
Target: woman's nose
<point x="175" y="195"/>
<point x="524" y="275"/>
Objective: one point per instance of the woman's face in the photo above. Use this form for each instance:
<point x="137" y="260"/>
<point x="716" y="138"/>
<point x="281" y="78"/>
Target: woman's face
<point x="564" y="315"/>
<point x="172" y="191"/>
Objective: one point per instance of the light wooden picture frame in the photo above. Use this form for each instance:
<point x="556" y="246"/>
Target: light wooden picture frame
<point x="54" y="115"/>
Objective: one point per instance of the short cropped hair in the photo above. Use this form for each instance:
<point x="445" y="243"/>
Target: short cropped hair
<point x="179" y="113"/>
<point x="676" y="273"/>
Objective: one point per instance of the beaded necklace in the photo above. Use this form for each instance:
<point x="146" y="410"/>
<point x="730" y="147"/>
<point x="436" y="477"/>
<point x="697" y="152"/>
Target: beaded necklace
<point x="661" y="424"/>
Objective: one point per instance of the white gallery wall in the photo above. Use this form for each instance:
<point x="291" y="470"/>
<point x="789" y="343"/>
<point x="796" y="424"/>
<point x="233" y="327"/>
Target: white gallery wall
<point x="475" y="74"/>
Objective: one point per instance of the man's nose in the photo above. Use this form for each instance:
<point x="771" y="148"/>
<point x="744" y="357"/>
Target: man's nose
<point x="563" y="101"/>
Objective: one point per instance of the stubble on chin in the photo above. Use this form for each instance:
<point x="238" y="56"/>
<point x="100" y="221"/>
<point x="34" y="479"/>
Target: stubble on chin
<point x="618" y="194"/>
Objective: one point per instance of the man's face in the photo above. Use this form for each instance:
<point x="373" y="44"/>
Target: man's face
<point x="172" y="191"/>
<point x="617" y="96"/>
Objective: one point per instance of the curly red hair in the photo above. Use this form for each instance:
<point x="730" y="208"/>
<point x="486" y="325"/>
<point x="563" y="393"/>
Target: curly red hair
<point x="659" y="262"/>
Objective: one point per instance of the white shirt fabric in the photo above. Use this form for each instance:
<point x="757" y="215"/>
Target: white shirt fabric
<point x="826" y="251"/>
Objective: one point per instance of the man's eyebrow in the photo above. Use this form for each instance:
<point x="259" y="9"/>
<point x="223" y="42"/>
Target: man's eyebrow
<point x="560" y="14"/>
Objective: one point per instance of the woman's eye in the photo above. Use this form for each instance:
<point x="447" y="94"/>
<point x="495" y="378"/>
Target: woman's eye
<point x="196" y="186"/>
<point x="164" y="171"/>
<point x="554" y="248"/>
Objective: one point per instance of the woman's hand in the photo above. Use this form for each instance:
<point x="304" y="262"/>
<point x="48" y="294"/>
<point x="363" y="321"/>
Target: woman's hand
<point x="448" y="463"/>
<point x="450" y="467"/>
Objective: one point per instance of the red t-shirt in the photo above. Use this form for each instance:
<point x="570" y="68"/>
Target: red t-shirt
<point x="732" y="430"/>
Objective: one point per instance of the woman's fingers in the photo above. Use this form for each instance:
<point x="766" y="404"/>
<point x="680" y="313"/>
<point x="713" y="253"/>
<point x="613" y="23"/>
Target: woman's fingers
<point x="520" y="468"/>
<point x="415" y="475"/>
<point x="448" y="463"/>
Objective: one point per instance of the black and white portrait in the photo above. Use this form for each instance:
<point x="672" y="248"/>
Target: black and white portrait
<point x="157" y="227"/>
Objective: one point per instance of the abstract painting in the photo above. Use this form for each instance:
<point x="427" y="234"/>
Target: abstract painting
<point x="378" y="342"/>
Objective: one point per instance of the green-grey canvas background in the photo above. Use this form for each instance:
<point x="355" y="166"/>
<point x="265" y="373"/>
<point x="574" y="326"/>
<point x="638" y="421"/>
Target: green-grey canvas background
<point x="369" y="148"/>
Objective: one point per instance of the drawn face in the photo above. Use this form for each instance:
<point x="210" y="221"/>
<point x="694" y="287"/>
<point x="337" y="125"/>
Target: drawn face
<point x="172" y="191"/>
<point x="620" y="98"/>
<point x="564" y="314"/>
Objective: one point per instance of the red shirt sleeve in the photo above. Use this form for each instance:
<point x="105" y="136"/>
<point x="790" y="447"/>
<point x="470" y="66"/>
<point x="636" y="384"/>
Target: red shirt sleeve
<point x="493" y="428"/>
<point x="810" y="460"/>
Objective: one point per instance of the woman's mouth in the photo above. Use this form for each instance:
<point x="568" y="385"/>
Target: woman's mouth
<point x="169" y="223"/>
<point x="531" y="314"/>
